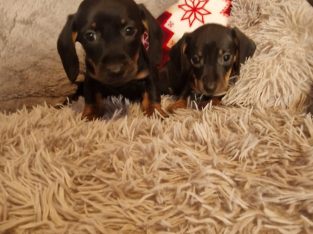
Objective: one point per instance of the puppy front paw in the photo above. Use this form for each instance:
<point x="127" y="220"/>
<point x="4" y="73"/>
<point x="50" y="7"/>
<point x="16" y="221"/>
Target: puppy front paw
<point x="215" y="101"/>
<point x="90" y="112"/>
<point x="149" y="107"/>
<point x="153" y="108"/>
<point x="180" y="103"/>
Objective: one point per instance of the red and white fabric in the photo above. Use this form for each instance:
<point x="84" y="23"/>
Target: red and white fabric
<point x="187" y="15"/>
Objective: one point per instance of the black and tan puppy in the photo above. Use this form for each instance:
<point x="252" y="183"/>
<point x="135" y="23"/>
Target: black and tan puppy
<point x="122" y="43"/>
<point x="203" y="62"/>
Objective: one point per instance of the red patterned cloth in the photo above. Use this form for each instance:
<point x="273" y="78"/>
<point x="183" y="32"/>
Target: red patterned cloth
<point x="187" y="15"/>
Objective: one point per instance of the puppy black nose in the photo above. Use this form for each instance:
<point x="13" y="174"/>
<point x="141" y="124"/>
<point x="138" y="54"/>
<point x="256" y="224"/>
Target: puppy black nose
<point x="115" y="68"/>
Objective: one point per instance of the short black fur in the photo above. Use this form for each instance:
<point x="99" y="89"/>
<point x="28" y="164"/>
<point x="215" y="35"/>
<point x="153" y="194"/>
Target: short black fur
<point x="116" y="61"/>
<point x="204" y="61"/>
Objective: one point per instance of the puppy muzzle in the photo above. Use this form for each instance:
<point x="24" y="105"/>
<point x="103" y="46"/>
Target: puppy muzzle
<point x="214" y="88"/>
<point x="203" y="85"/>
<point x="114" y="73"/>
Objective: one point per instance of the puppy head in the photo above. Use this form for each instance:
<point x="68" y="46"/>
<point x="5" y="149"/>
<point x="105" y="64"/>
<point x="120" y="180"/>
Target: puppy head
<point x="110" y="33"/>
<point x="213" y="53"/>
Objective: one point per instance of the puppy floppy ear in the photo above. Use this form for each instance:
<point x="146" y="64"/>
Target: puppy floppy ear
<point x="178" y="54"/>
<point x="246" y="45"/>
<point x="154" y="31"/>
<point x="67" y="51"/>
<point x="246" y="48"/>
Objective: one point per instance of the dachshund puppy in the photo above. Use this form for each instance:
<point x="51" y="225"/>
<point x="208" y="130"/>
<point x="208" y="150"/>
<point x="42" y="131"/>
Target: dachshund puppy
<point x="122" y="43"/>
<point x="205" y="62"/>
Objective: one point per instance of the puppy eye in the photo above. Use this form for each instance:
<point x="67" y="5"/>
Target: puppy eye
<point x="196" y="60"/>
<point x="90" y="35"/>
<point x="227" y="57"/>
<point x="129" y="31"/>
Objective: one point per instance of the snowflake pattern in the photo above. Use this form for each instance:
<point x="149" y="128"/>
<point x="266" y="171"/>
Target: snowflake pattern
<point x="194" y="10"/>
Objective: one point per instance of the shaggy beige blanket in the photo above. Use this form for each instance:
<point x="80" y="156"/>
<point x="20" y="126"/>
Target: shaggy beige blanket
<point x="245" y="167"/>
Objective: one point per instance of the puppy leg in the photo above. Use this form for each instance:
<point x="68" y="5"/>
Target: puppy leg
<point x="180" y="103"/>
<point x="216" y="101"/>
<point x="149" y="107"/>
<point x="182" y="100"/>
<point x="93" y="111"/>
<point x="89" y="112"/>
<point x="93" y="101"/>
<point x="151" y="100"/>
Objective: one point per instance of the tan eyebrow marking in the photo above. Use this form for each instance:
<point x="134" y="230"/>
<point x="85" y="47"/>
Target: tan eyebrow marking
<point x="74" y="36"/>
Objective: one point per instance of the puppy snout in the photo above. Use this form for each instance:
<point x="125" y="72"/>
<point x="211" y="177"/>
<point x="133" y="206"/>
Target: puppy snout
<point x="210" y="87"/>
<point x="115" y="68"/>
<point x="115" y="64"/>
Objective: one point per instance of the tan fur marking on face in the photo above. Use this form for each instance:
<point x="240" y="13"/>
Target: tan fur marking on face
<point x="93" y="25"/>
<point x="96" y="70"/>
<point x="142" y="74"/>
<point x="134" y="65"/>
<point x="223" y="85"/>
<point x="136" y="57"/>
<point x="74" y="36"/>
<point x="145" y="24"/>
<point x="198" y="86"/>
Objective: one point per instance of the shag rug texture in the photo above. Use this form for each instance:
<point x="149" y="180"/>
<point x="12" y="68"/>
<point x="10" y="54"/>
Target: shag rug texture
<point x="243" y="167"/>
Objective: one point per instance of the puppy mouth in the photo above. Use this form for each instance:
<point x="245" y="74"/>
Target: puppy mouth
<point x="198" y="87"/>
<point x="220" y="89"/>
<point x="100" y="73"/>
<point x="120" y="78"/>
<point x="223" y="84"/>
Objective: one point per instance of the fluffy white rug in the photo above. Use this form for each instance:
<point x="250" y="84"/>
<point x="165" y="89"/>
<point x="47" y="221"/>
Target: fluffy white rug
<point x="245" y="167"/>
<point x="220" y="170"/>
<point x="281" y="73"/>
